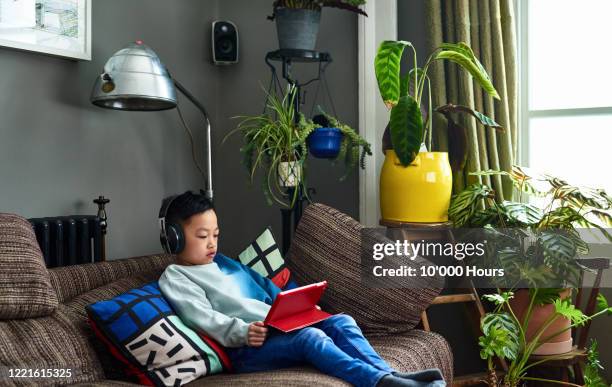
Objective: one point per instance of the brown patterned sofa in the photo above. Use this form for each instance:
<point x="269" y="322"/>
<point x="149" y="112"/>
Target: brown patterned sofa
<point x="43" y="322"/>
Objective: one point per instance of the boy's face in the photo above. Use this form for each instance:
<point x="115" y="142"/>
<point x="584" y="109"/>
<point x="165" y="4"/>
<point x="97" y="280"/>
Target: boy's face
<point x="201" y="235"/>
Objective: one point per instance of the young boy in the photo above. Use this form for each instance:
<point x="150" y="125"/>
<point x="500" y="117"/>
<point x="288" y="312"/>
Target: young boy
<point x="228" y="301"/>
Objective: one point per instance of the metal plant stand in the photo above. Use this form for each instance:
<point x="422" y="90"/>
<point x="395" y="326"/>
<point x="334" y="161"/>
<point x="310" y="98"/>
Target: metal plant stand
<point x="286" y="58"/>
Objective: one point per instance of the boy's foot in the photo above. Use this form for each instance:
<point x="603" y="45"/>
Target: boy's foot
<point x="430" y="377"/>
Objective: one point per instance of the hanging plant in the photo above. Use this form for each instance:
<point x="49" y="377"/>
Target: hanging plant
<point x="353" y="148"/>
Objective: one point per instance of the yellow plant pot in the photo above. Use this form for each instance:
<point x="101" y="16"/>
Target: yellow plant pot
<point x="420" y="192"/>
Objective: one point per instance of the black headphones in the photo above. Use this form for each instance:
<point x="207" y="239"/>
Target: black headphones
<point x="171" y="235"/>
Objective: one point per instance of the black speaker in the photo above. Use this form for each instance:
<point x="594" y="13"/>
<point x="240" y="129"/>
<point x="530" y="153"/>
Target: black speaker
<point x="224" y="42"/>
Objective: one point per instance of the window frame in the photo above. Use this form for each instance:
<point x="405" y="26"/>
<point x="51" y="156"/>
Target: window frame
<point x="524" y="112"/>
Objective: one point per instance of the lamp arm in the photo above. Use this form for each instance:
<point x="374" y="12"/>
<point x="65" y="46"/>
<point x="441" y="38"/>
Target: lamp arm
<point x="186" y="93"/>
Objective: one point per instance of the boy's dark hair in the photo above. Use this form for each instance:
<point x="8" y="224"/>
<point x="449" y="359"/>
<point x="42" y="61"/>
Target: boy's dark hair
<point x="186" y="205"/>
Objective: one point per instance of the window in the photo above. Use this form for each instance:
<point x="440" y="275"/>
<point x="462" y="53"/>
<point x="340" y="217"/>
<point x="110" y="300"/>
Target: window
<point x="566" y="89"/>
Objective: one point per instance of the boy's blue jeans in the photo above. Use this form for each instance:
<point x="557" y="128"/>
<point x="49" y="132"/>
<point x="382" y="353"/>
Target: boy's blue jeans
<point x="335" y="346"/>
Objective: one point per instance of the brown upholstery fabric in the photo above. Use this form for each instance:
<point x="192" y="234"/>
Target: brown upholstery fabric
<point x="412" y="351"/>
<point x="25" y="290"/>
<point x="46" y="342"/>
<point x="74" y="280"/>
<point x="65" y="339"/>
<point x="327" y="246"/>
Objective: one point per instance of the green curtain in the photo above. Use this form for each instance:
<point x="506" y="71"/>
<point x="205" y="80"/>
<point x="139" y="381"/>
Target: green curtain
<point x="488" y="26"/>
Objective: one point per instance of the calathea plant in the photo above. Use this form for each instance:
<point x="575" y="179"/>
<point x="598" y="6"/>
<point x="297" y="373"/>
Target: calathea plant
<point x="535" y="244"/>
<point x="408" y="128"/>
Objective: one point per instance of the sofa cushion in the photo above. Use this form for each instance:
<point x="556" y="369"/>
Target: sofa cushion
<point x="412" y="351"/>
<point x="47" y="342"/>
<point x="141" y="330"/>
<point x="25" y="288"/>
<point x="71" y="281"/>
<point x="327" y="246"/>
<point x="263" y="256"/>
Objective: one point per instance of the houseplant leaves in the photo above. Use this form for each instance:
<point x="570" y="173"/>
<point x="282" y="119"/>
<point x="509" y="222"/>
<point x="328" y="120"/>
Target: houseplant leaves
<point x="406" y="126"/>
<point x="387" y="69"/>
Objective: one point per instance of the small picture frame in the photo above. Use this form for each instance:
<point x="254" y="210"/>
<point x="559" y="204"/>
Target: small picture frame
<point x="55" y="27"/>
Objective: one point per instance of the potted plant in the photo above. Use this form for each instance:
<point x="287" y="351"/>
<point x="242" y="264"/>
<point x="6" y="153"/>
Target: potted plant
<point x="535" y="245"/>
<point x="297" y="21"/>
<point x="416" y="184"/>
<point x="330" y="139"/>
<point x="276" y="143"/>
<point x="504" y="336"/>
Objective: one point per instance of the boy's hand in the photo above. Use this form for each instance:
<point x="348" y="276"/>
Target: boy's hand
<point x="257" y="334"/>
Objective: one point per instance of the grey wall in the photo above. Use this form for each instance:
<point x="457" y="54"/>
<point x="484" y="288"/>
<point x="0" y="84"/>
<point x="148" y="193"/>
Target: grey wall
<point x="58" y="152"/>
<point x="243" y="206"/>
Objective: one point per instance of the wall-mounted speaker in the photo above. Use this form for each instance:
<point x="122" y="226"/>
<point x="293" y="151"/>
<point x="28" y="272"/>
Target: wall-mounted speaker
<point x="224" y="42"/>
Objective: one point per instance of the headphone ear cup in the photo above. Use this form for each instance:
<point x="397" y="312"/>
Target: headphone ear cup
<point x="176" y="238"/>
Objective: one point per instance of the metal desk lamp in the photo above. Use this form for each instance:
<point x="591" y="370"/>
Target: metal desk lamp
<point x="135" y="79"/>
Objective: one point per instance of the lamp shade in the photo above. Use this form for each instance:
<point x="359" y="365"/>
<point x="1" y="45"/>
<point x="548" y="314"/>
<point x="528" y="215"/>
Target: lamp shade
<point x="134" y="78"/>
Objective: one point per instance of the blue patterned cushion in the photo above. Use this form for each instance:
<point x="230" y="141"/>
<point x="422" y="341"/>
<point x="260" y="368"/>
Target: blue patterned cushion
<point x="142" y="331"/>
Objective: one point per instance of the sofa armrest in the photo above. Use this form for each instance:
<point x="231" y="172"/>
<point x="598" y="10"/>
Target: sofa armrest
<point x="327" y="246"/>
<point x="71" y="281"/>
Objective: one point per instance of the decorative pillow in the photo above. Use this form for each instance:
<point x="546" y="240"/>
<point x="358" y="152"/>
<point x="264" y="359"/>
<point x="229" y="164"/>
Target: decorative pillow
<point x="25" y="287"/>
<point x="328" y="245"/>
<point x="142" y="331"/>
<point x="265" y="258"/>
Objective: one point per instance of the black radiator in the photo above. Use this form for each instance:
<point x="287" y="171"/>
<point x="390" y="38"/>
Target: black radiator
<point x="69" y="240"/>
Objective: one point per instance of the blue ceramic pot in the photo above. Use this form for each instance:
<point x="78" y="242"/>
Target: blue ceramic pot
<point x="324" y="143"/>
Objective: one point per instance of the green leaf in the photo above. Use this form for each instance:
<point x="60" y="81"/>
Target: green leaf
<point x="500" y="336"/>
<point x="602" y="304"/>
<point x="499" y="298"/>
<point x="524" y="213"/>
<point x="603" y="216"/>
<point x="557" y="245"/>
<point x="484" y="120"/>
<point x="592" y="368"/>
<point x="406" y="126"/>
<point x="468" y="61"/>
<point x="544" y="296"/>
<point x="463" y="205"/>
<point x="387" y="69"/>
<point x="565" y="308"/>
<point x="405" y="85"/>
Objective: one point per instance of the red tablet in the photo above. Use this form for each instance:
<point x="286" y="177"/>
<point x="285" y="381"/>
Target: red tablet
<point x="297" y="308"/>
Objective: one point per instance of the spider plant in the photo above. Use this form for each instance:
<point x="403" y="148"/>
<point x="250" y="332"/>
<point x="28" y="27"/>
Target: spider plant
<point x="271" y="139"/>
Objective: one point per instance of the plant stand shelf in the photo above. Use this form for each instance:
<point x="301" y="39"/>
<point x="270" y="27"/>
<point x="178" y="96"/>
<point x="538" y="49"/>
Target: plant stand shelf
<point x="286" y="58"/>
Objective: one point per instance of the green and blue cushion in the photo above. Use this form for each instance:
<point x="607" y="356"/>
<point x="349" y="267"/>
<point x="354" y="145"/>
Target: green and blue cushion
<point x="142" y="331"/>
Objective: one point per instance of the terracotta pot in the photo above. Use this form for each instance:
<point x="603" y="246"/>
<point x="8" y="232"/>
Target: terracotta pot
<point x="559" y="344"/>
